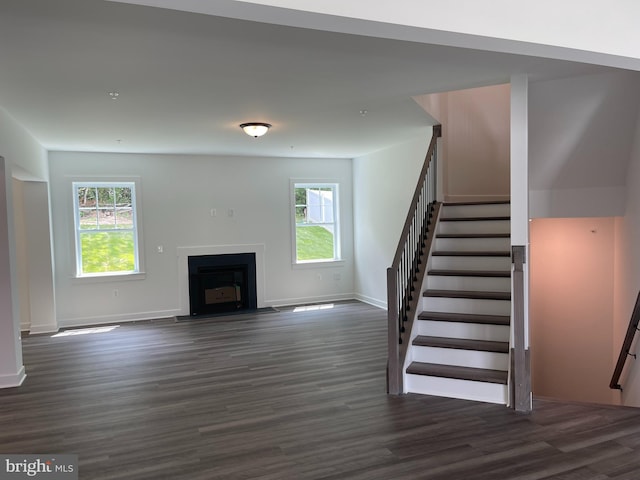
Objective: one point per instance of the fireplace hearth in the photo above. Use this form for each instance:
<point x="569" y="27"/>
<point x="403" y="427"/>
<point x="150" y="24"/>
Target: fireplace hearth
<point x="222" y="283"/>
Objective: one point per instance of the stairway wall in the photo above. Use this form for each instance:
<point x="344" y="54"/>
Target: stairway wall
<point x="628" y="273"/>
<point x="383" y="184"/>
<point x="580" y="137"/>
<point x="475" y="141"/>
<point x="572" y="301"/>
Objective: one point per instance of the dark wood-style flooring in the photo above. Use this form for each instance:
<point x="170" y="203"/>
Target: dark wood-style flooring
<point x="285" y="396"/>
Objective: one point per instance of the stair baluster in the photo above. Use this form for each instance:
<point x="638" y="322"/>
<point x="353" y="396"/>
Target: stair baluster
<point x="405" y="272"/>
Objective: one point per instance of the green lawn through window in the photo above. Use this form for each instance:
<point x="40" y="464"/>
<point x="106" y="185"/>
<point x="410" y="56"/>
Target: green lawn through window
<point x="107" y="252"/>
<point x="114" y="252"/>
<point x="314" y="243"/>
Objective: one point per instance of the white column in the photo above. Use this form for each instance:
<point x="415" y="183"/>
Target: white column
<point x="12" y="371"/>
<point x="519" y="160"/>
<point x="521" y="375"/>
<point x="520" y="176"/>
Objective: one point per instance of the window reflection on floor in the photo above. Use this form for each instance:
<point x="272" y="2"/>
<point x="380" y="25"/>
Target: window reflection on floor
<point x="310" y="308"/>
<point x="85" y="331"/>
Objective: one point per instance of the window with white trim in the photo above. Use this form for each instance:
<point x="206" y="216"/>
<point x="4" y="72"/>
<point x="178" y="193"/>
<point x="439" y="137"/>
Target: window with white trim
<point x="106" y="233"/>
<point x="316" y="223"/>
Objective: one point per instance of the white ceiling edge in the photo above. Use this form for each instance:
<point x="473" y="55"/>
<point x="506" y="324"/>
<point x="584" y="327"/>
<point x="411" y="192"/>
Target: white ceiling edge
<point x="607" y="37"/>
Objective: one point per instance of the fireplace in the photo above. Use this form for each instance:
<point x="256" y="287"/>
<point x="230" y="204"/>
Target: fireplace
<point x="222" y="283"/>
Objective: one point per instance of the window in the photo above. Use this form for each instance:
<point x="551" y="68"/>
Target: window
<point x="316" y="222"/>
<point x="105" y="228"/>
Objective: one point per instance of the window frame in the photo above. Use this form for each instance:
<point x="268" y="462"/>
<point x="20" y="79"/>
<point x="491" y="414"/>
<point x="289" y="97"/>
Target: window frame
<point x="128" y="182"/>
<point x="337" y="243"/>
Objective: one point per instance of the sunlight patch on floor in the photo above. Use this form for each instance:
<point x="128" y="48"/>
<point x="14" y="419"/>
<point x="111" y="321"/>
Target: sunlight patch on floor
<point x="311" y="308"/>
<point x="85" y="331"/>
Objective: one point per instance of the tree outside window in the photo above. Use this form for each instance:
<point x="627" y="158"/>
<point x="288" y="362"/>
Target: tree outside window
<point x="105" y="226"/>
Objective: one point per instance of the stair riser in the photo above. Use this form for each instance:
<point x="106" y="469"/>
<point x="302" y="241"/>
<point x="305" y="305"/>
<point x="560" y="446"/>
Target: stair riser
<point x="454" y="388"/>
<point x="469" y="263"/>
<point x="489" y="210"/>
<point x="466" y="305"/>
<point x="451" y="387"/>
<point x="472" y="244"/>
<point x="477" y="226"/>
<point x="487" y="284"/>
<point x="461" y="358"/>
<point x="473" y="331"/>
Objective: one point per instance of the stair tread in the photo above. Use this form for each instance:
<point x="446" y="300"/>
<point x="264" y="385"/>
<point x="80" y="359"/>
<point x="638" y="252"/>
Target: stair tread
<point x="479" y="202"/>
<point x="470" y="273"/>
<point x="473" y="219"/>
<point x="461" y="344"/>
<point x="473" y="235"/>
<point x="466" y="318"/>
<point x="461" y="373"/>
<point x="475" y="253"/>
<point x="474" y="294"/>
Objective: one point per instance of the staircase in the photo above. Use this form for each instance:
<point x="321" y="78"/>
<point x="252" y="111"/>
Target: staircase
<point x="459" y="344"/>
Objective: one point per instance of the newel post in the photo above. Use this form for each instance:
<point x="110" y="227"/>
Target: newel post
<point x="521" y="376"/>
<point x="394" y="378"/>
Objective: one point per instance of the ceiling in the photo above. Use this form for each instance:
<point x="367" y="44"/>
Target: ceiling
<point x="186" y="81"/>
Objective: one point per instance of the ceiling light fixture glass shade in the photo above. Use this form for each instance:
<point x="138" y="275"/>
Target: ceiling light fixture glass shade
<point x="255" y="129"/>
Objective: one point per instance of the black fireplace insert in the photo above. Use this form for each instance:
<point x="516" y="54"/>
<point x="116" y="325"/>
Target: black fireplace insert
<point x="222" y="283"/>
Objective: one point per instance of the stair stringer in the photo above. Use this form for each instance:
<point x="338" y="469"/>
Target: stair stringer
<point x="452" y="387"/>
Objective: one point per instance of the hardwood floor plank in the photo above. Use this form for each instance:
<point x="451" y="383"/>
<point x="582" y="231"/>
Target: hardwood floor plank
<point x="285" y="395"/>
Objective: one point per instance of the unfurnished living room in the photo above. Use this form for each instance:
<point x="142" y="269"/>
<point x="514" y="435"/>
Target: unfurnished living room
<point x="319" y="240"/>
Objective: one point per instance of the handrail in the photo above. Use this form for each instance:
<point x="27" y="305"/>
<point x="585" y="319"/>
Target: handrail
<point x="625" y="350"/>
<point x="405" y="272"/>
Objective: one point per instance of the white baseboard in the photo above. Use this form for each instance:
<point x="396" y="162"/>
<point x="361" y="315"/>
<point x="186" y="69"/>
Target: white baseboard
<point x="13" y="380"/>
<point x="109" y="319"/>
<point x="38" y="329"/>
<point x="371" y="301"/>
<point x="304" y="300"/>
<point x="140" y="316"/>
<point x="24" y="327"/>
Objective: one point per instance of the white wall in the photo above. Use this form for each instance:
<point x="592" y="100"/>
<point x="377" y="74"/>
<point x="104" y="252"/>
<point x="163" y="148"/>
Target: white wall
<point x="384" y="183"/>
<point x="542" y="22"/>
<point x="628" y="274"/>
<point x="22" y="273"/>
<point x="23" y="156"/>
<point x="577" y="202"/>
<point x="580" y="135"/>
<point x="580" y="144"/>
<point x="27" y="161"/>
<point x="571" y="309"/>
<point x="27" y="158"/>
<point x="39" y="254"/>
<point x="11" y="367"/>
<point x="543" y="28"/>
<point x="475" y="141"/>
<point x="177" y="194"/>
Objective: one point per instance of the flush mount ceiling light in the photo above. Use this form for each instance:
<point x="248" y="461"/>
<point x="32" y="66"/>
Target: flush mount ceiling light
<point x="255" y="129"/>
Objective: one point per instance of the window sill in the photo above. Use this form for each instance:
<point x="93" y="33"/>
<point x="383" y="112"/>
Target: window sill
<point x="319" y="263"/>
<point x="110" y="277"/>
